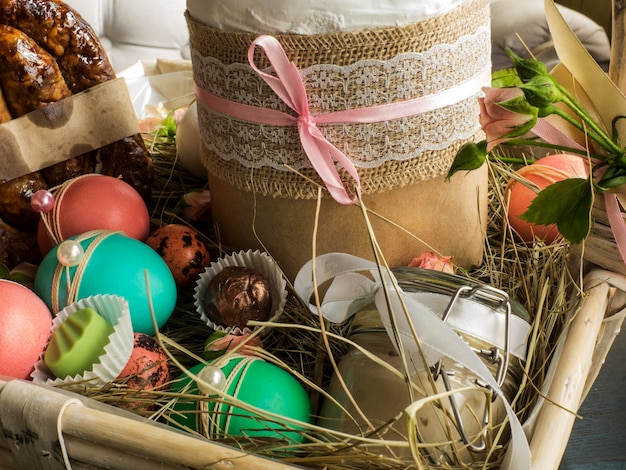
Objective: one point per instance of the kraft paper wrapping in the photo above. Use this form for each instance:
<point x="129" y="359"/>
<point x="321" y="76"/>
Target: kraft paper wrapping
<point x="449" y="218"/>
<point x="65" y="129"/>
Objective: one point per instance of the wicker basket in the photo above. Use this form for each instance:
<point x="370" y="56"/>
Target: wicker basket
<point x="50" y="428"/>
<point x="53" y="429"/>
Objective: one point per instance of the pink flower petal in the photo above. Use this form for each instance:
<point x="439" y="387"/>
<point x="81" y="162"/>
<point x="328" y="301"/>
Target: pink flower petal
<point x="495" y="120"/>
<point x="229" y="342"/>
<point x="429" y="260"/>
<point x="199" y="206"/>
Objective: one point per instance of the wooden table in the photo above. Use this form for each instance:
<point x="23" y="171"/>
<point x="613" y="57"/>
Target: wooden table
<point x="598" y="440"/>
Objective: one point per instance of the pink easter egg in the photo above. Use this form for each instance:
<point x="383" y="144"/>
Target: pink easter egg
<point x="93" y="202"/>
<point x="25" y="323"/>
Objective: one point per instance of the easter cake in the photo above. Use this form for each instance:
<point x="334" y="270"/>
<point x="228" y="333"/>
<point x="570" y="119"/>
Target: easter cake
<point x="388" y="91"/>
<point x="49" y="57"/>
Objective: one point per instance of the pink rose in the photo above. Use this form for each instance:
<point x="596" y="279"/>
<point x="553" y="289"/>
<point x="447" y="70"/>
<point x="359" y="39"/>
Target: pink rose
<point x="178" y="115"/>
<point x="198" y="206"/>
<point x="229" y="342"/>
<point x="156" y="117"/>
<point x="429" y="260"/>
<point x="505" y="114"/>
<point x="150" y="124"/>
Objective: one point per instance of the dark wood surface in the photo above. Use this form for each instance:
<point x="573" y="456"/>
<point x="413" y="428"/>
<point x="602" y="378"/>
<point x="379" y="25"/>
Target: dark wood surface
<point x="598" y="440"/>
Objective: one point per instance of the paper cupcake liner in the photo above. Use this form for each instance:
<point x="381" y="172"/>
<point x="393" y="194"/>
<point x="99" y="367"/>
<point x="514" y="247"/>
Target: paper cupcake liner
<point x="263" y="263"/>
<point x="113" y="309"/>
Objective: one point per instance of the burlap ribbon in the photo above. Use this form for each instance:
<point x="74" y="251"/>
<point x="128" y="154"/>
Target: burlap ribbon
<point x="217" y="56"/>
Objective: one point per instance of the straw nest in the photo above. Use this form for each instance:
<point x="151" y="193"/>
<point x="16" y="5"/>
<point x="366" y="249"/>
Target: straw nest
<point x="538" y="276"/>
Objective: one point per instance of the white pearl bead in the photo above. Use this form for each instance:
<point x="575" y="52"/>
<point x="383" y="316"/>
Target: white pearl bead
<point x="69" y="253"/>
<point x="213" y="376"/>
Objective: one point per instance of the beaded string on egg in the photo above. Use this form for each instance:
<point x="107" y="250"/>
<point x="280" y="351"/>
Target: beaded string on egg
<point x="73" y="284"/>
<point x="212" y="429"/>
<point x="51" y="219"/>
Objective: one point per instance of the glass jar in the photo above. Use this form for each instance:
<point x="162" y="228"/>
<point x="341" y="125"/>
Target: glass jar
<point x="374" y="396"/>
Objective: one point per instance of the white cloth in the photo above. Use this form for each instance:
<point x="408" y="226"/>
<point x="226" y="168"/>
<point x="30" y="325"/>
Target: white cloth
<point x="137" y="29"/>
<point x="149" y="29"/>
<point x="523" y="27"/>
<point x="314" y="16"/>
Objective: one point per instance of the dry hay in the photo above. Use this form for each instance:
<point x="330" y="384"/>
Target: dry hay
<point x="536" y="276"/>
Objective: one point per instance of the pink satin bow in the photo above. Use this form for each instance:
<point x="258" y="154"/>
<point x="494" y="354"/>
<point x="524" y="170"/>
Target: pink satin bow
<point x="288" y="86"/>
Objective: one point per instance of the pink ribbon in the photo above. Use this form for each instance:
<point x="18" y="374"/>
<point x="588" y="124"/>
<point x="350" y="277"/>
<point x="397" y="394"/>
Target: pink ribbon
<point x="288" y="86"/>
<point x="548" y="132"/>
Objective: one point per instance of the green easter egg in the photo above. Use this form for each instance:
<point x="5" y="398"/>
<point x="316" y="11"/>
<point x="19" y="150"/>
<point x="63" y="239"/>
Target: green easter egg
<point x="257" y="383"/>
<point x="114" y="264"/>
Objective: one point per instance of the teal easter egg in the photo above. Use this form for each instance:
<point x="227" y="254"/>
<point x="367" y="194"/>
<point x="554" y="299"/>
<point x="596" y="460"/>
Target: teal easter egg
<point x="257" y="383"/>
<point x="111" y="263"/>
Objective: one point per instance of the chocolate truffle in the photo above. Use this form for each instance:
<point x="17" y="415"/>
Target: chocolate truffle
<point x="236" y="295"/>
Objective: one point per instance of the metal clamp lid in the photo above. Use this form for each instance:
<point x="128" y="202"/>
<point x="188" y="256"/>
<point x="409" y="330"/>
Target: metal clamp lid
<point x="493" y="354"/>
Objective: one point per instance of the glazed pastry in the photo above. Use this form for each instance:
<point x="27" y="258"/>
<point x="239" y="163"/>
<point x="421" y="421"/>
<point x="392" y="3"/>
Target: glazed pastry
<point x="30" y="80"/>
<point x="130" y="159"/>
<point x="17" y="247"/>
<point x="62" y="32"/>
<point x="63" y="171"/>
<point x="5" y="115"/>
<point x="29" y="76"/>
<point x="83" y="62"/>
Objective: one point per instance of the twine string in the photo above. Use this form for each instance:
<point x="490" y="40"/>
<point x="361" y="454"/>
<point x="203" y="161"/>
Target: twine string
<point x="73" y="282"/>
<point x="208" y="420"/>
<point x="52" y="219"/>
<point x="61" y="436"/>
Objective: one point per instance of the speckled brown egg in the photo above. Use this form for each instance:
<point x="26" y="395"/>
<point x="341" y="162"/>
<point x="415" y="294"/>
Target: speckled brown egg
<point x="147" y="367"/>
<point x="184" y="251"/>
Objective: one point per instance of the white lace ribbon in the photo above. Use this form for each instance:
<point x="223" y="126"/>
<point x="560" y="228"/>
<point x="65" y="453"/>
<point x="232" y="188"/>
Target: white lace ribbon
<point x="363" y="84"/>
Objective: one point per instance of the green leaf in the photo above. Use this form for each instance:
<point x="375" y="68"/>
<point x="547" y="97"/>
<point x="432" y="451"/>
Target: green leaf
<point x="527" y="68"/>
<point x="214" y="337"/>
<point x="505" y="78"/>
<point x="612" y="183"/>
<point x="470" y="156"/>
<point x="519" y="105"/>
<point x="210" y="355"/>
<point x="21" y="278"/>
<point x="541" y="91"/>
<point x="613" y="177"/>
<point x="4" y="271"/>
<point x="614" y="133"/>
<point x="565" y="203"/>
